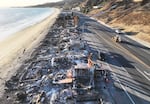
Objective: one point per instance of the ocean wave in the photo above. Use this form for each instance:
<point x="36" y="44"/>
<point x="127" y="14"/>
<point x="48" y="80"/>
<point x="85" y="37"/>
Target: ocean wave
<point x="15" y="19"/>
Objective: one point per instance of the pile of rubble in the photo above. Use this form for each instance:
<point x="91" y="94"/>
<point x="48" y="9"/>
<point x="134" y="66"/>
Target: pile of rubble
<point x="62" y="70"/>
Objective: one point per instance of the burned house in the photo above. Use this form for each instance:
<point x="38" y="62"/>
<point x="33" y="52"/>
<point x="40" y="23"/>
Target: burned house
<point x="61" y="72"/>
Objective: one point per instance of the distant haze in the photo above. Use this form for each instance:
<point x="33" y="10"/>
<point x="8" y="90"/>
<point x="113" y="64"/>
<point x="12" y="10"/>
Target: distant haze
<point x="20" y="3"/>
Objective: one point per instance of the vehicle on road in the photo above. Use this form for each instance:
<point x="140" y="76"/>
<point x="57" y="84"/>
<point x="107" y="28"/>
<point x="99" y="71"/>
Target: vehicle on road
<point x="117" y="38"/>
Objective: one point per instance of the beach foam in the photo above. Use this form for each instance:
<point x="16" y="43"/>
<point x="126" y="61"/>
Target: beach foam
<point x="15" y="19"/>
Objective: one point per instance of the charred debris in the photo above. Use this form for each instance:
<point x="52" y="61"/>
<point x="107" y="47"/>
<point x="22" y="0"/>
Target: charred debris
<point x="62" y="70"/>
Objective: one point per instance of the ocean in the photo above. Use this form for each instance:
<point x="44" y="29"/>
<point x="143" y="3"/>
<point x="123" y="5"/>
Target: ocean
<point x="15" y="19"/>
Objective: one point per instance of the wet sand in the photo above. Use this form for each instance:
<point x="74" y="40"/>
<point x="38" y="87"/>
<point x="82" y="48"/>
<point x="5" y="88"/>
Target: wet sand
<point x="19" y="46"/>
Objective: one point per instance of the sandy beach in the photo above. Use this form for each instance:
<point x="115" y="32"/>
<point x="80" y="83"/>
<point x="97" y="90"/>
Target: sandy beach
<point x="19" y="46"/>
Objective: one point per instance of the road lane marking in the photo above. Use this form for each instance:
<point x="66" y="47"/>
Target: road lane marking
<point x="118" y="46"/>
<point x="132" y="55"/>
<point x="134" y="58"/>
<point x="147" y="73"/>
<point x="142" y="73"/>
<point x="146" y="51"/>
<point x="117" y="79"/>
<point x="121" y="48"/>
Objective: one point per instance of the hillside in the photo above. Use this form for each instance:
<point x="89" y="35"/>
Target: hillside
<point x="131" y="17"/>
<point x="65" y="4"/>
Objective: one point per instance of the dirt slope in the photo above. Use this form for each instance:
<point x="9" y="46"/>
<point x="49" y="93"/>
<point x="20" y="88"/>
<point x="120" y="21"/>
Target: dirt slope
<point x="133" y="18"/>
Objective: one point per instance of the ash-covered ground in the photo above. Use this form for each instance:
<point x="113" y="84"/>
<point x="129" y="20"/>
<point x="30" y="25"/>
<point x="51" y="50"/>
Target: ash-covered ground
<point x="62" y="70"/>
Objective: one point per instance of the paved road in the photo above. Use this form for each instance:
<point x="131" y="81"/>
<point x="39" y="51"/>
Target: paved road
<point x="128" y="62"/>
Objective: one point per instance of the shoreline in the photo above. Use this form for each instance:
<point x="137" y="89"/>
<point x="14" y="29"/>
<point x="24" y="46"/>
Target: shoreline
<point x="19" y="46"/>
<point x="26" y="26"/>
